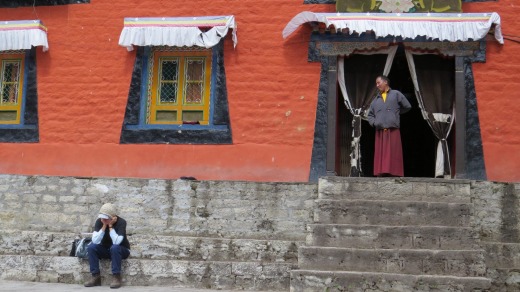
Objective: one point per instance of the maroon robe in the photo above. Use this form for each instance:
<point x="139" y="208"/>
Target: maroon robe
<point x="388" y="156"/>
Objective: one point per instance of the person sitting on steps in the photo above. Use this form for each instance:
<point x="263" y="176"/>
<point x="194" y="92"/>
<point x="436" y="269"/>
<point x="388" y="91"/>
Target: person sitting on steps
<point x="109" y="241"/>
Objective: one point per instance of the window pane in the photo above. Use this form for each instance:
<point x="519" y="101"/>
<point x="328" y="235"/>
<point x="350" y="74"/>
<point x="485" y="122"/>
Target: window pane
<point x="192" y="116"/>
<point x="194" y="87"/>
<point x="169" y="69"/>
<point x="8" y="115"/>
<point x="10" y="79"/>
<point x="194" y="93"/>
<point x="168" y="81"/>
<point x="168" y="92"/>
<point x="166" y="116"/>
<point x="195" y="69"/>
<point x="10" y="93"/>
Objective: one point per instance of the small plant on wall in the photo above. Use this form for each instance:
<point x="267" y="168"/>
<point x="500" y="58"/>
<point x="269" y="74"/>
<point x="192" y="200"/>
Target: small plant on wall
<point x="398" y="6"/>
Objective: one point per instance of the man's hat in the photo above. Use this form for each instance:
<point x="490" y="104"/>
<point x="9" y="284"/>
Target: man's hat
<point x="107" y="211"/>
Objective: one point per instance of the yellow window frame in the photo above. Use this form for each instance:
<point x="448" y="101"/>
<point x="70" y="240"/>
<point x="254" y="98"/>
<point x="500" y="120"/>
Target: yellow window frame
<point x="5" y="58"/>
<point x="180" y="106"/>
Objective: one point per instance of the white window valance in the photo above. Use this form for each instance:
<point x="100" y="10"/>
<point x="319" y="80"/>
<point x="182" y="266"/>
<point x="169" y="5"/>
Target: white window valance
<point x="22" y="35"/>
<point x="203" y="31"/>
<point x="443" y="26"/>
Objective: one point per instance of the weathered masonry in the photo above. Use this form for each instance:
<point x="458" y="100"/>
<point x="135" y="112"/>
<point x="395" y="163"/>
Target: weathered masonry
<point x="271" y="236"/>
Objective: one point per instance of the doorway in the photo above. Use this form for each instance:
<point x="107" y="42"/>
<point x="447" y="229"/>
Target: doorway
<point x="418" y="140"/>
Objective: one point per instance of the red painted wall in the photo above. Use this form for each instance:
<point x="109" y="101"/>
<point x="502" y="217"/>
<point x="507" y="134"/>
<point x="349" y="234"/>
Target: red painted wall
<point x="84" y="78"/>
<point x="497" y="86"/>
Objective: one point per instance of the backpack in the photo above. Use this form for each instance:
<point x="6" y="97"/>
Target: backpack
<point x="81" y="245"/>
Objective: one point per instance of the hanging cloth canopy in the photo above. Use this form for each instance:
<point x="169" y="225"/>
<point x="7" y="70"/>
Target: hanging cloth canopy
<point x="204" y="31"/>
<point x="443" y="26"/>
<point x="22" y="35"/>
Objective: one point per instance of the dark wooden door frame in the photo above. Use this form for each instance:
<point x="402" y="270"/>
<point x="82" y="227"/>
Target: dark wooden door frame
<point x="469" y="163"/>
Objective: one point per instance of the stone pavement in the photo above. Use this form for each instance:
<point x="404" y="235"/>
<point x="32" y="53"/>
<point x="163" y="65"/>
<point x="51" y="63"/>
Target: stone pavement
<point x="20" y="286"/>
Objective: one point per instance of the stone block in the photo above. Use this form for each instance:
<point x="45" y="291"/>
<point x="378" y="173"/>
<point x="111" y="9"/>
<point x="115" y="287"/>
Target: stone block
<point x="66" y="199"/>
<point x="461" y="263"/>
<point x="393" y="213"/>
<point x="395" y="189"/>
<point x="392" y="237"/>
<point x="502" y="255"/>
<point x="310" y="281"/>
<point x="49" y="198"/>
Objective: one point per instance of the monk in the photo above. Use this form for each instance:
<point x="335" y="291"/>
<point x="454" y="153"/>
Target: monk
<point x="384" y="115"/>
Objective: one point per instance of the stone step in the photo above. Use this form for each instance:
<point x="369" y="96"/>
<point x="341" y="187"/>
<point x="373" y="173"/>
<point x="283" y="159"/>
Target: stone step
<point x="392" y="237"/>
<point x="214" y="249"/>
<point x="331" y="281"/>
<point x="158" y="247"/>
<point x="400" y="189"/>
<point x="146" y="272"/>
<point x="392" y="213"/>
<point x="461" y="263"/>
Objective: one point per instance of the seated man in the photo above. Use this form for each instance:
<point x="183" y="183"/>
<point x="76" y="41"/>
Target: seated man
<point x="108" y="242"/>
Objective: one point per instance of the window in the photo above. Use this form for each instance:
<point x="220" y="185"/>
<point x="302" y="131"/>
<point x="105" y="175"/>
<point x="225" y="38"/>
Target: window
<point x="18" y="97"/>
<point x="179" y="89"/>
<point x="177" y="96"/>
<point x="11" y="85"/>
<point x="19" y="3"/>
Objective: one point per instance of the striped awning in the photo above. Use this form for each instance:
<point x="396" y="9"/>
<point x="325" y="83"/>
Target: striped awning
<point x="442" y="26"/>
<point x="203" y="31"/>
<point x="22" y="35"/>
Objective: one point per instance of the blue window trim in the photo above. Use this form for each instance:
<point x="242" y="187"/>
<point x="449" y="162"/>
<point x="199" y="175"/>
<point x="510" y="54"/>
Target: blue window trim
<point x="136" y="131"/>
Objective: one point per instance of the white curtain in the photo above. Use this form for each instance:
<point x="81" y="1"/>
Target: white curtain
<point x="435" y="100"/>
<point x="177" y="31"/>
<point x="358" y="105"/>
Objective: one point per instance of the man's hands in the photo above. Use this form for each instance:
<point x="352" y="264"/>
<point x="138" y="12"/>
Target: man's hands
<point x="108" y="222"/>
<point x="112" y="222"/>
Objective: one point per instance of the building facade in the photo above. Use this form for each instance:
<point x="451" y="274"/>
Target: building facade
<point x="238" y="103"/>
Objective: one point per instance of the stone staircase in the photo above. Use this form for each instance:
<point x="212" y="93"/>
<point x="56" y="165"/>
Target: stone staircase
<point x="391" y="235"/>
<point x="220" y="235"/>
<point x="178" y="261"/>
<point x="344" y="234"/>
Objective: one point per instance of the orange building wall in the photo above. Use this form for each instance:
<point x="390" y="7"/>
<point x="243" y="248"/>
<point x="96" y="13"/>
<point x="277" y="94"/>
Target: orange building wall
<point x="84" y="78"/>
<point x="497" y="85"/>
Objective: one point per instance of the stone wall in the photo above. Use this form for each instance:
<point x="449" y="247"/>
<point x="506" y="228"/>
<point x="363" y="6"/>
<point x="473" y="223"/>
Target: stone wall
<point x="160" y="207"/>
<point x="496" y="215"/>
<point x="199" y="234"/>
<point x="207" y="208"/>
<point x="231" y="224"/>
<point x="496" y="211"/>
